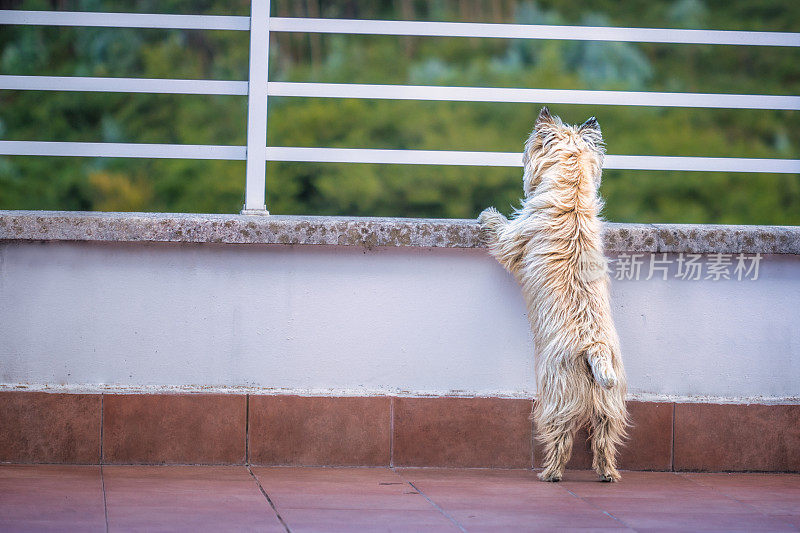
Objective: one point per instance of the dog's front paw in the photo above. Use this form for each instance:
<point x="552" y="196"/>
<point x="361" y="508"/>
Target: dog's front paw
<point x="490" y="217"/>
<point x="603" y="372"/>
<point x="491" y="221"/>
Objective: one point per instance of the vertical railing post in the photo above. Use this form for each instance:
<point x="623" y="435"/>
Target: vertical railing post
<point x="254" y="201"/>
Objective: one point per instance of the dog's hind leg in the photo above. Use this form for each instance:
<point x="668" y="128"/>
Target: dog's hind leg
<point x="559" y="410"/>
<point x="556" y="420"/>
<point x="608" y="426"/>
<point x="557" y="441"/>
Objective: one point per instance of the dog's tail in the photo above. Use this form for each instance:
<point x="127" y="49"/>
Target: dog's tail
<point x="600" y="358"/>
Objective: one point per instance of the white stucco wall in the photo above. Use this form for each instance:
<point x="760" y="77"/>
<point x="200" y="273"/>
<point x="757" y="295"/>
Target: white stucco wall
<point x="345" y="320"/>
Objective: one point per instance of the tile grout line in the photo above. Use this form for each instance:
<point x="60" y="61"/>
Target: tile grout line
<point x="436" y="506"/>
<point x="590" y="504"/>
<point x="269" y="501"/>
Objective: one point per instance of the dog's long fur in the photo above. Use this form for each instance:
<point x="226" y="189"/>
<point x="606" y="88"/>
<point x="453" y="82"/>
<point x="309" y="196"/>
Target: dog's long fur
<point x="553" y="246"/>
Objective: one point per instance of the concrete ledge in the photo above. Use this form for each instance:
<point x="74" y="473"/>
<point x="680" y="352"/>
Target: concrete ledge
<point x="368" y="232"/>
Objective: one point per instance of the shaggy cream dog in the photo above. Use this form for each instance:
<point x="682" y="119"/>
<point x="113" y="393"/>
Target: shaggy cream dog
<point x="554" y="248"/>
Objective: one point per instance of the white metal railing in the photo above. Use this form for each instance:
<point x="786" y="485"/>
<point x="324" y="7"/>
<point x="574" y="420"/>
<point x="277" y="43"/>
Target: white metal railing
<point x="258" y="88"/>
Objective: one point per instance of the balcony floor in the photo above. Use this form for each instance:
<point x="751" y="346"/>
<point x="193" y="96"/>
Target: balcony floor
<point x="230" y="498"/>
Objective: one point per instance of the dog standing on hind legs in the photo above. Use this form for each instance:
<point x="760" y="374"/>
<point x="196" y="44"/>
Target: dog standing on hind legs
<point x="553" y="246"/>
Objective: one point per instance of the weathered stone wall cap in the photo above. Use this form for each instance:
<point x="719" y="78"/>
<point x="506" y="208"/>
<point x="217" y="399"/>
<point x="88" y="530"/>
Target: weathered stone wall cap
<point x="368" y="232"/>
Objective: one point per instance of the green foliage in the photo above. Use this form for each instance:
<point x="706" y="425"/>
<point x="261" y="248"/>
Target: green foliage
<point x="402" y="190"/>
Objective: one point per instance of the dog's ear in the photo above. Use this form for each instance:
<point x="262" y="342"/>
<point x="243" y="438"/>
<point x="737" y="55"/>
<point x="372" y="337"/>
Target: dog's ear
<point x="590" y="132"/>
<point x="546" y="125"/>
<point x="590" y="124"/>
<point x="544" y="119"/>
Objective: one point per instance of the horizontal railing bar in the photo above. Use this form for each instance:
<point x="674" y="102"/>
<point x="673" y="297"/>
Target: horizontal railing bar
<point x="156" y="151"/>
<point x="123" y="85"/>
<point x="403" y="92"/>
<point x="395" y="157"/>
<point x="402" y="27"/>
<point x="549" y="96"/>
<point x="533" y="31"/>
<point x="703" y="164"/>
<point x="124" y="20"/>
<point x="514" y="159"/>
<point x="398" y="157"/>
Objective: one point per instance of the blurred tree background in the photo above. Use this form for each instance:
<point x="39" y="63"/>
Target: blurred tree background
<point x="401" y="190"/>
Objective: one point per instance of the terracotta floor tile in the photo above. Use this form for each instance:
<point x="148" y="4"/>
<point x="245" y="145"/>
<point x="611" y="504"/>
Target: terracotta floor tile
<point x="747" y="485"/>
<point x="634" y="485"/>
<point x="776" y="505"/>
<point x="684" y="505"/>
<point x="485" y="518"/>
<point x="204" y="498"/>
<point x="544" y="528"/>
<point x="791" y="519"/>
<point x="464" y="474"/>
<point x="489" y="490"/>
<point x="189" y="498"/>
<point x="519" y="511"/>
<point x="338" y="488"/>
<point x="701" y="521"/>
<point x="366" y="520"/>
<point x="319" y="474"/>
<point x="663" y="501"/>
<point x="772" y="494"/>
<point x="532" y="527"/>
<point x="345" y="499"/>
<point x="51" y="498"/>
<point x="511" y="500"/>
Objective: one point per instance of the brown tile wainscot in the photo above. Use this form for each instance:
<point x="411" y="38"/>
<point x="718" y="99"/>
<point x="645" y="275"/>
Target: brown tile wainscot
<point x="197" y="428"/>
